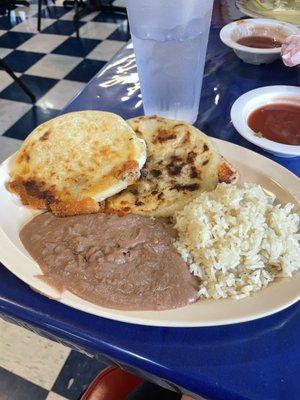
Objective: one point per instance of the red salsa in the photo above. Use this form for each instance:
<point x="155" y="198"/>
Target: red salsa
<point x="277" y="122"/>
<point x="259" y="42"/>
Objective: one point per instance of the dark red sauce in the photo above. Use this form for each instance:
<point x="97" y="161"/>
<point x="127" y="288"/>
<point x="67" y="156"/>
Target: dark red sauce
<point x="277" y="122"/>
<point x="259" y="42"/>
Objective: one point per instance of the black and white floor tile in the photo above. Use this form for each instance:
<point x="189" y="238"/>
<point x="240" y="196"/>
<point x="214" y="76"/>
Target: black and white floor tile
<point x="55" y="65"/>
<point x="36" y="368"/>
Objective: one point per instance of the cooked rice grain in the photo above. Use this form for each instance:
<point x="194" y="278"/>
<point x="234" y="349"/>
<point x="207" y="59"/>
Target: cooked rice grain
<point x="237" y="241"/>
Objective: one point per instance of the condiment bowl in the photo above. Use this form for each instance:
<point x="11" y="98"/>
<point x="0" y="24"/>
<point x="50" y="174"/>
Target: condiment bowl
<point x="250" y="101"/>
<point x="237" y="30"/>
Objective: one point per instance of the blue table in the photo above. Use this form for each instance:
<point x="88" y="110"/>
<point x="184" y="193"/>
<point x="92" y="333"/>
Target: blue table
<point x="259" y="360"/>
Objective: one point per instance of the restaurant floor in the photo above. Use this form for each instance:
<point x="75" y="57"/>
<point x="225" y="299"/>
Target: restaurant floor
<point x="35" y="368"/>
<point x="55" y="65"/>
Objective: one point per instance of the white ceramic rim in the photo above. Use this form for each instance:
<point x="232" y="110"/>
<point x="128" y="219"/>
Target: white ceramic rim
<point x="274" y="298"/>
<point x="240" y="111"/>
<point x="225" y="34"/>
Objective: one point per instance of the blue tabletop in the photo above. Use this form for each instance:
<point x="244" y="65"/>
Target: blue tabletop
<point x="250" y="361"/>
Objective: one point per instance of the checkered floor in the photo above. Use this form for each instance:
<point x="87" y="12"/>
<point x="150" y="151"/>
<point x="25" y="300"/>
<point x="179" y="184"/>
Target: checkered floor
<point x="54" y="64"/>
<point x="35" y="368"/>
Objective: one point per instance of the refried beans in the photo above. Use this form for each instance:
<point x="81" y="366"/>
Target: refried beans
<point x="126" y="263"/>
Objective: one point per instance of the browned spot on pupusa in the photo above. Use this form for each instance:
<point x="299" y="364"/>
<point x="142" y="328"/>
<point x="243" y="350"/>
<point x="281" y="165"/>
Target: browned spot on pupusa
<point x="144" y="173"/>
<point x="24" y="156"/>
<point x="191" y="157"/>
<point x="156" y="117"/>
<point x="190" y="187"/>
<point x="175" y="158"/>
<point x="104" y="152"/>
<point x="164" y="135"/>
<point x="175" y="166"/>
<point x="178" y="126"/>
<point x="45" y="135"/>
<point x="138" y="131"/>
<point x="187" y="137"/>
<point x="129" y="167"/>
<point x="134" y="191"/>
<point x="35" y="189"/>
<point x="174" y="169"/>
<point x="156" y="173"/>
<point x="193" y="172"/>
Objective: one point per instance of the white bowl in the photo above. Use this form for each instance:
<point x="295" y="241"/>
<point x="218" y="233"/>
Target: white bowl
<point x="234" y="31"/>
<point x="255" y="99"/>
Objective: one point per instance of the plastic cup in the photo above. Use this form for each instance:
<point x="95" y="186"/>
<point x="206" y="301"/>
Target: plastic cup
<point x="170" y="40"/>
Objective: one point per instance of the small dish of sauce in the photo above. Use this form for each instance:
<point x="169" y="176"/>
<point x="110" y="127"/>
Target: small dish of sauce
<point x="259" y="42"/>
<point x="279" y="122"/>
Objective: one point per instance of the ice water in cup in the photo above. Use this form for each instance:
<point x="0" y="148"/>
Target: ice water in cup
<point x="170" y="39"/>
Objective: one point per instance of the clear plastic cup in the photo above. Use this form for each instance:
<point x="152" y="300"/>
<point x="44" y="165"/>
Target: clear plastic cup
<point x="170" y="40"/>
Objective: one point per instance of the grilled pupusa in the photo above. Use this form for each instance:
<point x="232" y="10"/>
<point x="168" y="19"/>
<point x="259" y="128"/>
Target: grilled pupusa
<point x="71" y="163"/>
<point x="181" y="163"/>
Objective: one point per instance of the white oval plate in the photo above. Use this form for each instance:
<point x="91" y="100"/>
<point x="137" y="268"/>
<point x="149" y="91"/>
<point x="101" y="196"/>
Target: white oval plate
<point x="253" y="9"/>
<point x="281" y="294"/>
<point x="256" y="98"/>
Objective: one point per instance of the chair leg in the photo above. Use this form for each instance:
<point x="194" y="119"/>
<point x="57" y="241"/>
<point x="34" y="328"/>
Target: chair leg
<point x="22" y="2"/>
<point x="68" y="3"/>
<point x="39" y="15"/>
<point x="110" y="8"/>
<point x="79" y="10"/>
<point x="17" y="80"/>
<point x="76" y="18"/>
<point x="128" y="30"/>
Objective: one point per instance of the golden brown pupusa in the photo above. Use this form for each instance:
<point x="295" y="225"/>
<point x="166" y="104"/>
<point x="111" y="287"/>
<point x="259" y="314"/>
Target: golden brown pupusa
<point x="181" y="163"/>
<point x="74" y="161"/>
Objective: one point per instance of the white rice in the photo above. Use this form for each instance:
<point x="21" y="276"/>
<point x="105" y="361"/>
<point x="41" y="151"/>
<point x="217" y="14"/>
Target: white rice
<point x="237" y="241"/>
